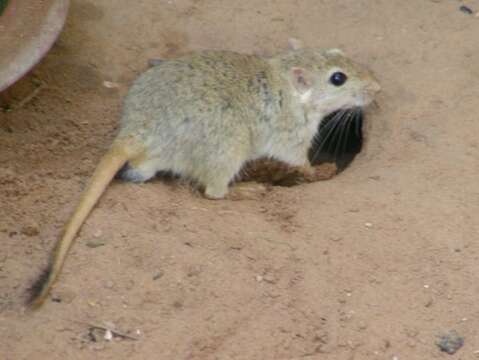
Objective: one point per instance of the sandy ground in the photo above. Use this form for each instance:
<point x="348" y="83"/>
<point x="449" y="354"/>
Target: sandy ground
<point x="372" y="264"/>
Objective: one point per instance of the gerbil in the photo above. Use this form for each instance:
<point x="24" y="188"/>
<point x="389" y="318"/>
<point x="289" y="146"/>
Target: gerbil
<point x="203" y="115"/>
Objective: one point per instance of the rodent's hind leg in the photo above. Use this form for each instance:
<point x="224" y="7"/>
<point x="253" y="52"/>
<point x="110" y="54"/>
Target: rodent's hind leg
<point x="137" y="174"/>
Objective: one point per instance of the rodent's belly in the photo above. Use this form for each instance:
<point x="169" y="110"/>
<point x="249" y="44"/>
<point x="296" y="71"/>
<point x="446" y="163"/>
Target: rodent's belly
<point x="286" y="145"/>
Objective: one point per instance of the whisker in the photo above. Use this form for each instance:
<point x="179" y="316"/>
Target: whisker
<point x="347" y="132"/>
<point x="324" y="140"/>
<point x="342" y="132"/>
<point x="339" y="138"/>
<point x="329" y="125"/>
<point x="358" y="122"/>
<point x="326" y="123"/>
<point x="346" y="155"/>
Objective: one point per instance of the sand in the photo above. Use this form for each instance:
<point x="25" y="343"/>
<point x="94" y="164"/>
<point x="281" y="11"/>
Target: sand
<point x="372" y="264"/>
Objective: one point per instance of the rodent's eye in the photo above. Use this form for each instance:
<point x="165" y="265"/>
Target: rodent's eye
<point x="338" y="78"/>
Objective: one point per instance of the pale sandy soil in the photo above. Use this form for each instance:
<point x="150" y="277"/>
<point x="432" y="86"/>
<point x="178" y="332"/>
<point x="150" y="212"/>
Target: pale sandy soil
<point x="292" y="273"/>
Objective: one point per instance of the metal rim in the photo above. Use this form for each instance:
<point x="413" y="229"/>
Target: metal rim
<point x="33" y="41"/>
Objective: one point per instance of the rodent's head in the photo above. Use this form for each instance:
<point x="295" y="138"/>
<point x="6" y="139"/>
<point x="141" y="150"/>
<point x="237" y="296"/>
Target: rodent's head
<point x="326" y="80"/>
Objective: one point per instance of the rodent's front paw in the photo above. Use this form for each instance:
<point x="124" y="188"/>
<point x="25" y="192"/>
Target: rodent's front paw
<point x="247" y="191"/>
<point x="320" y="172"/>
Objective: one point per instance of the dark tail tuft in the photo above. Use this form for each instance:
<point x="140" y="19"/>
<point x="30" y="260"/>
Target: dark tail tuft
<point x="38" y="285"/>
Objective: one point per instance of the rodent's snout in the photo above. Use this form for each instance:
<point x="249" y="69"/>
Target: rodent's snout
<point x="367" y="94"/>
<point x="373" y="87"/>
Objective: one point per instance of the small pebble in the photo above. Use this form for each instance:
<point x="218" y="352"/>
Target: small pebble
<point x="94" y="243"/>
<point x="154" y="62"/>
<point x="465" y="9"/>
<point x="450" y="342"/>
<point x="108" y="335"/>
<point x="110" y="85"/>
<point x="158" y="275"/>
<point x="368" y="224"/>
<point x="269" y="279"/>
<point x="30" y="230"/>
<point x="362" y="326"/>
<point x="259" y="278"/>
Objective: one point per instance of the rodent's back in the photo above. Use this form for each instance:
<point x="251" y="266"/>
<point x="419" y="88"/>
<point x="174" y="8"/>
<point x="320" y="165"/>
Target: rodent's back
<point x="203" y="87"/>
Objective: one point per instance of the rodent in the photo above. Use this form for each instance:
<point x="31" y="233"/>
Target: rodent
<point x="205" y="114"/>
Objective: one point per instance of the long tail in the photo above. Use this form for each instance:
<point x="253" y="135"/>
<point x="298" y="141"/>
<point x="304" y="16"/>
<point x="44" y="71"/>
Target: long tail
<point x="109" y="165"/>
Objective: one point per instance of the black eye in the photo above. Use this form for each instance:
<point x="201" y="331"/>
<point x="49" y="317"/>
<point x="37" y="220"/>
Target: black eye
<point x="338" y="78"/>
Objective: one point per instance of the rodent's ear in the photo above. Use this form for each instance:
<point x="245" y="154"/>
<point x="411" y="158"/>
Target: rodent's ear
<point x="295" y="44"/>
<point x="335" y="52"/>
<point x="301" y="79"/>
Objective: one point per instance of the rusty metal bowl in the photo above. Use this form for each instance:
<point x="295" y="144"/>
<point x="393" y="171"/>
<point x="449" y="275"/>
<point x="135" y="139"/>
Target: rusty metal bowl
<point x="28" y="29"/>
